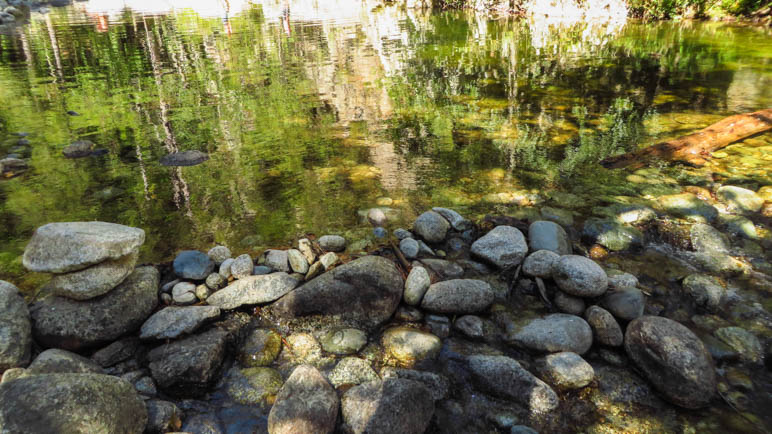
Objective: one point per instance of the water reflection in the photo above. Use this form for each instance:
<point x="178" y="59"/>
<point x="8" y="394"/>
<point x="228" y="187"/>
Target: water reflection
<point x="313" y="110"/>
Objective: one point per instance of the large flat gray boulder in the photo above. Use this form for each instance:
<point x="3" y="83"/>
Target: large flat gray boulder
<point x="95" y="280"/>
<point x="71" y="246"/>
<point x="365" y="292"/>
<point x="60" y="322"/>
<point x="71" y="403"/>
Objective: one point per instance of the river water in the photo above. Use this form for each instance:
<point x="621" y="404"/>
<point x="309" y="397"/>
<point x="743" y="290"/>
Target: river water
<point x="311" y="113"/>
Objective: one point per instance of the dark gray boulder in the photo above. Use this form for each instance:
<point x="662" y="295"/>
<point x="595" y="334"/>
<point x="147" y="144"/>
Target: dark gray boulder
<point x="71" y="403"/>
<point x="363" y="292"/>
<point x="15" y="328"/>
<point x="394" y="405"/>
<point x="673" y="359"/>
<point x="70" y="324"/>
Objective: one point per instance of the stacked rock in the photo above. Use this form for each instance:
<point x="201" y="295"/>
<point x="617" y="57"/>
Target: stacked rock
<point x="96" y="293"/>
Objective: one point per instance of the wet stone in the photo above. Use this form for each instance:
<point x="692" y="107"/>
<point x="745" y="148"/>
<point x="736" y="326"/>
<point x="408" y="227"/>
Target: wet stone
<point x="458" y="296"/>
<point x="739" y="199"/>
<point x="305" y="404"/>
<point x="626" y="305"/>
<point x="688" y="206"/>
<point x="547" y="235"/>
<point x="580" y="276"/>
<point x="188" y="367"/>
<point x="352" y="370"/>
<point x="612" y="234"/>
<point x="565" y="370"/>
<point x="437" y="384"/>
<point x="343" y="341"/>
<point x="706" y="238"/>
<point x="744" y="342"/>
<point x="438" y="324"/>
<point x="706" y="291"/>
<point x="409" y="346"/>
<point x="416" y="285"/>
<point x="409" y="248"/>
<point x="470" y="325"/>
<point x="252" y="386"/>
<point x="540" y="263"/>
<point x="568" y="304"/>
<point x="260" y="348"/>
<point x="605" y="329"/>
<point x="394" y="405"/>
<point x="553" y="333"/>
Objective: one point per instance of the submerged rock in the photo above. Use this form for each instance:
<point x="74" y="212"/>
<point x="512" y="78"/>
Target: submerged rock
<point x="78" y="149"/>
<point x="744" y="342"/>
<point x="184" y="158"/>
<point x="673" y="359"/>
<point x="305" y="404"/>
<point x="627" y="304"/>
<point x="554" y="333"/>
<point x="612" y="234"/>
<point x="69" y="324"/>
<point x="253" y="290"/>
<point x="11" y="166"/>
<point x="352" y="371"/>
<point x="503" y="246"/>
<point x="706" y="238"/>
<point x="188" y="366"/>
<point x="15" y="328"/>
<point x="565" y="370"/>
<point x="260" y="348"/>
<point x="71" y="246"/>
<point x="364" y="292"/>
<point x="458" y="296"/>
<point x="739" y="199"/>
<point x="688" y="206"/>
<point x="343" y="341"/>
<point x="706" y="291"/>
<point x="252" y="386"/>
<point x="431" y="226"/>
<point x="394" y="405"/>
<point x="410" y="346"/>
<point x="95" y="280"/>
<point x="504" y="377"/>
<point x="71" y="403"/>
<point x="161" y="416"/>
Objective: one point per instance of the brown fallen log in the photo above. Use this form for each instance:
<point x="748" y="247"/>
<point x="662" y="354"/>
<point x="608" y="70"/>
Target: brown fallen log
<point x="695" y="148"/>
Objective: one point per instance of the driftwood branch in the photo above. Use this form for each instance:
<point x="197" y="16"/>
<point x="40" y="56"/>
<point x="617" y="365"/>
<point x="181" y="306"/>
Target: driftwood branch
<point x="695" y="148"/>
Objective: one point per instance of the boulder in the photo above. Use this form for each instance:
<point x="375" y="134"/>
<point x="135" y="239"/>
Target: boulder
<point x="673" y="359"/>
<point x="72" y="246"/>
<point x="554" y="333"/>
<point x="193" y="265"/>
<point x="253" y="290"/>
<point x="15" y="328"/>
<point x="172" y="322"/>
<point x="56" y="361"/>
<point x="363" y="292"/>
<point x="95" y="280"/>
<point x="394" y="405"/>
<point x="70" y="324"/>
<point x="71" y="403"/>
<point x="547" y="235"/>
<point x="306" y="403"/>
<point x="188" y="366"/>
<point x="503" y="377"/>
<point x="565" y="370"/>
<point x="580" y="276"/>
<point x="503" y="246"/>
<point x="431" y="226"/>
<point x="458" y="296"/>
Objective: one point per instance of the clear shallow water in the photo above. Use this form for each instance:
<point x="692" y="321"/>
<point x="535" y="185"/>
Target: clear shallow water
<point x="311" y="113"/>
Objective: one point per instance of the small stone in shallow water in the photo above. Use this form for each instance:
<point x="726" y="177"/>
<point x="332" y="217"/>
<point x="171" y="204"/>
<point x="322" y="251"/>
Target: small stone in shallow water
<point x="78" y="149"/>
<point x="394" y="405"/>
<point x="252" y="386"/>
<point x="260" y="348"/>
<point x="470" y="325"/>
<point x="343" y="341"/>
<point x="193" y="265"/>
<point x="376" y="217"/>
<point x="553" y="333"/>
<point x="706" y="291"/>
<point x="438" y="324"/>
<point x="409" y="346"/>
<point x="621" y="280"/>
<point x="352" y="370"/>
<point x="706" y="238"/>
<point x="332" y="243"/>
<point x="744" y="342"/>
<point x="612" y="234"/>
<point x="380" y="232"/>
<point x="688" y="206"/>
<point x="739" y="199"/>
<point x="184" y="158"/>
<point x="562" y="217"/>
<point x="568" y="304"/>
<point x="627" y="304"/>
<point x="565" y="370"/>
<point x="547" y="235"/>
<point x="409" y="248"/>
<point x="605" y="329"/>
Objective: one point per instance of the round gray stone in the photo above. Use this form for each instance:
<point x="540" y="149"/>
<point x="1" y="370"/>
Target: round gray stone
<point x="605" y="328"/>
<point x="458" y="296"/>
<point x="184" y="293"/>
<point x="343" y="341"/>
<point x="219" y="254"/>
<point x="416" y="285"/>
<point x="431" y="226"/>
<point x="192" y="265"/>
<point x="409" y="248"/>
<point x="216" y="281"/>
<point x="547" y="235"/>
<point x="568" y="303"/>
<point x="580" y="276"/>
<point x="706" y="291"/>
<point x="540" y="263"/>
<point x="503" y="246"/>
<point x="242" y="266"/>
<point x="278" y="260"/>
<point x="332" y="243"/>
<point x="352" y="370"/>
<point x="565" y="370"/>
<point x="93" y="281"/>
<point x="409" y="346"/>
<point x="553" y="333"/>
<point x="627" y="304"/>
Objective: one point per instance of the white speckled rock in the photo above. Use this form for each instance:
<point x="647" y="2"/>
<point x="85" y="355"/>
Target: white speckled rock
<point x="95" y="280"/>
<point x="580" y="276"/>
<point x="540" y="263"/>
<point x="503" y="246"/>
<point x="242" y="266"/>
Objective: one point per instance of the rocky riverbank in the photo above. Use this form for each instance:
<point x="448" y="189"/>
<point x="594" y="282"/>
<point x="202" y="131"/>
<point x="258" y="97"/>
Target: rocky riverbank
<point x="497" y="326"/>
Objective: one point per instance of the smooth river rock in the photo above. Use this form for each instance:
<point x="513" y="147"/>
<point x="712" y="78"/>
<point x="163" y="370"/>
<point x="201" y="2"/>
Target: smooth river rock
<point x="503" y="377"/>
<point x="242" y="266"/>
<point x="71" y="403"/>
<point x="673" y="359"/>
<point x="416" y="284"/>
<point x="394" y="405"/>
<point x="409" y="346"/>
<point x="540" y="263"/>
<point x="458" y="296"/>
<point x="95" y="280"/>
<point x="306" y="403"/>
<point x="70" y="324"/>
<point x="56" y="361"/>
<point x="503" y="246"/>
<point x="71" y="246"/>
<point x="739" y="199"/>
<point x="431" y="226"/>
<point x="172" y="322"/>
<point x="547" y="235"/>
<point x="332" y="243"/>
<point x="253" y="290"/>
<point x="15" y="328"/>
<point x="565" y="370"/>
<point x="456" y="220"/>
<point x="193" y="265"/>
<point x="363" y="292"/>
<point x="554" y="333"/>
<point x="580" y="276"/>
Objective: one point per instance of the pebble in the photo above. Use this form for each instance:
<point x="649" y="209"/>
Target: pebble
<point x="352" y="371"/>
<point x="401" y="234"/>
<point x="744" y="342"/>
<point x="565" y="370"/>
<point x="580" y="276"/>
